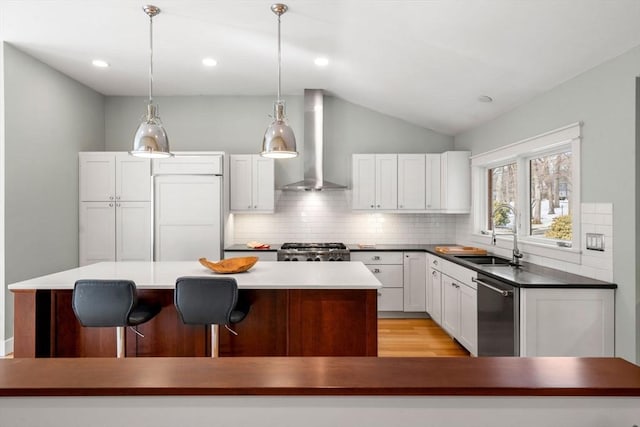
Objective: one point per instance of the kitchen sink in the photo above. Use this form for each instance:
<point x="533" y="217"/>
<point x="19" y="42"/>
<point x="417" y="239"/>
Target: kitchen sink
<point x="485" y="259"/>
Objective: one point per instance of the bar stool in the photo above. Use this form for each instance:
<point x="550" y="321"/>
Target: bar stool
<point x="111" y="303"/>
<point x="209" y="301"/>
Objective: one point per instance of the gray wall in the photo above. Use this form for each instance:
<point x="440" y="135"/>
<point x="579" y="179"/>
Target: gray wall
<point x="48" y="119"/>
<point x="236" y="125"/>
<point x="604" y="98"/>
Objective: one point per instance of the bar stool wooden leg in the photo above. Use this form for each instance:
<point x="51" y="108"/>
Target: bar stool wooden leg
<point x="120" y="342"/>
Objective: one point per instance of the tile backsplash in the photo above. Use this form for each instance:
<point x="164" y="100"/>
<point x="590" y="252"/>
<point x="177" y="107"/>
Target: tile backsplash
<point x="327" y="216"/>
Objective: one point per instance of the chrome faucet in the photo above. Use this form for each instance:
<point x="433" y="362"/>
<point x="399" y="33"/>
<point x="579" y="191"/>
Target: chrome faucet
<point x="517" y="255"/>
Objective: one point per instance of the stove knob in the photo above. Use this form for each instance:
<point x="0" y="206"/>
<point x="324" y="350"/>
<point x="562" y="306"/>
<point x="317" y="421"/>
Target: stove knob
<point x="294" y="259"/>
<point x="331" y="259"/>
<point x="309" y="259"/>
<point x="317" y="259"/>
<point x="339" y="258"/>
<point x="286" y="259"/>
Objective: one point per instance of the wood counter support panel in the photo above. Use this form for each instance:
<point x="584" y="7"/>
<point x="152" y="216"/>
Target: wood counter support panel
<point x="24" y="323"/>
<point x="332" y="323"/>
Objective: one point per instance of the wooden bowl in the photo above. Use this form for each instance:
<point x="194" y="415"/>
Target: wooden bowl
<point x="230" y="265"/>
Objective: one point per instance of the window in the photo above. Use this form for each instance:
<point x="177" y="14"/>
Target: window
<point x="533" y="184"/>
<point x="550" y="197"/>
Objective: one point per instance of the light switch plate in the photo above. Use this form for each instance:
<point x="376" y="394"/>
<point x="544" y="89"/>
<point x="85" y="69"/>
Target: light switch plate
<point x="595" y="242"/>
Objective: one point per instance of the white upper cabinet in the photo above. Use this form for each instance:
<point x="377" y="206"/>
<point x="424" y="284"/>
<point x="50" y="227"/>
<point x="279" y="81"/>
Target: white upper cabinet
<point x="375" y="181"/>
<point x="432" y="183"/>
<point x="411" y="181"/>
<point x="455" y="182"/>
<point x="252" y="183"/>
<point x="114" y="176"/>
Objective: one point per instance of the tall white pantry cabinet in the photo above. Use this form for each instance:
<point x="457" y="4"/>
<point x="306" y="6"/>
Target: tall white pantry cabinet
<point x="115" y="215"/>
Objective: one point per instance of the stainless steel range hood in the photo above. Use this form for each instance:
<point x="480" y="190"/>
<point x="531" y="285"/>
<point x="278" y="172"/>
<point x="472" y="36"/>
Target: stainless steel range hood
<point x="313" y="146"/>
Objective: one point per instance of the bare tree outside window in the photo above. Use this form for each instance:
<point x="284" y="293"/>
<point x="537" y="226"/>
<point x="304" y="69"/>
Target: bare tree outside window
<point x="504" y="186"/>
<point x="550" y="196"/>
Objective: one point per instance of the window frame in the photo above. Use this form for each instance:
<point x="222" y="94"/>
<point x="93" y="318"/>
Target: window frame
<point x="556" y="141"/>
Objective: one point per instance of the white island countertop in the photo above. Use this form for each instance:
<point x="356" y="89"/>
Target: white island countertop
<point x="263" y="275"/>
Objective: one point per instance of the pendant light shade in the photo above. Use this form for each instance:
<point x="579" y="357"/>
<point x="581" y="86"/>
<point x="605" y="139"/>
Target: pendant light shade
<point x="151" y="139"/>
<point x="279" y="141"/>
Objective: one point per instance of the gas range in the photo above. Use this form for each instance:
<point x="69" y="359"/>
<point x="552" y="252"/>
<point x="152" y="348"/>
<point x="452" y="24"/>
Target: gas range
<point x="313" y="252"/>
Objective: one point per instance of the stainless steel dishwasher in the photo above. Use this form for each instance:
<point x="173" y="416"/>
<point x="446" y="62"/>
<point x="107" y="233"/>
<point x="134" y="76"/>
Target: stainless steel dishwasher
<point x="498" y="317"/>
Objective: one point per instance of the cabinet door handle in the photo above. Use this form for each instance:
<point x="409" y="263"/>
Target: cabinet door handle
<point x="118" y="205"/>
<point x="435" y="262"/>
<point x="375" y="258"/>
<point x="110" y="205"/>
<point x="249" y="207"/>
<point x="378" y="205"/>
<point x="255" y="207"/>
<point x="379" y="294"/>
<point x="117" y="197"/>
<point x="433" y="273"/>
<point x="376" y="270"/>
<point x="400" y="205"/>
<point x="372" y="206"/>
<point x="110" y="197"/>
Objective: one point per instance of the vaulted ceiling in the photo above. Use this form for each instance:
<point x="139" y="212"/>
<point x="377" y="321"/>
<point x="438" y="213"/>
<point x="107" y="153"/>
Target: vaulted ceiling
<point x="426" y="62"/>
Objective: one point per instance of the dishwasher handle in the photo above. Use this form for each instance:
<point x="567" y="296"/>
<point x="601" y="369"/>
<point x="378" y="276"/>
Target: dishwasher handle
<point x="502" y="292"/>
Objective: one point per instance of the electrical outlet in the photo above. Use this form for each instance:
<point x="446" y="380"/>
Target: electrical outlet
<point x="595" y="242"/>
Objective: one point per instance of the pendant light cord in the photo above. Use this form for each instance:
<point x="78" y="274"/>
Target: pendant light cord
<point x="150" y="59"/>
<point x="279" y="57"/>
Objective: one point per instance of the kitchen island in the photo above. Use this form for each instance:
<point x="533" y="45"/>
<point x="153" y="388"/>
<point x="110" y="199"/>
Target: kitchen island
<point x="305" y="309"/>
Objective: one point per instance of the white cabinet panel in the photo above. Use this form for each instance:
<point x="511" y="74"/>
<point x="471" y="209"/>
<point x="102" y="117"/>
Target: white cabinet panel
<point x="133" y="178"/>
<point x="468" y="335"/>
<point x="390" y="299"/>
<point x="391" y="276"/>
<point x="432" y="177"/>
<point x="411" y="181"/>
<point x="97" y="177"/>
<point x="415" y="278"/>
<point x="252" y="182"/>
<point x="434" y="296"/>
<point x="450" y="306"/>
<point x="133" y="231"/>
<point x="187" y="217"/>
<point x="567" y="322"/>
<point x="377" y="257"/>
<point x="364" y="181"/>
<point x="455" y="183"/>
<point x="262" y="255"/>
<point x="386" y="181"/>
<point x="189" y="164"/>
<point x="111" y="176"/>
<point x="97" y="232"/>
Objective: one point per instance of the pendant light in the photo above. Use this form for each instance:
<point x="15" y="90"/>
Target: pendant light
<point x="279" y="142"/>
<point x="151" y="139"/>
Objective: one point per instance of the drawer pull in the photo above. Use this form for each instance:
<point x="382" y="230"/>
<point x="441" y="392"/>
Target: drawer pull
<point x="434" y="273"/>
<point x="375" y="258"/>
<point x="376" y="270"/>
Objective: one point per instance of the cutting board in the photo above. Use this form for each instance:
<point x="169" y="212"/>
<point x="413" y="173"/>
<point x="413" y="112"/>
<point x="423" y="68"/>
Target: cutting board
<point x="460" y="250"/>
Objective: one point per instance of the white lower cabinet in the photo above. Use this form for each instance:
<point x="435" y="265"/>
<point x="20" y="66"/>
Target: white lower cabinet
<point x="567" y="322"/>
<point x="114" y="231"/>
<point x="415" y="271"/>
<point x="388" y="268"/>
<point x="450" y="306"/>
<point x="460" y="312"/>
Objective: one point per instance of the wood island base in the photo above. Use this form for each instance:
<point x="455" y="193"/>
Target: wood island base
<point x="281" y="322"/>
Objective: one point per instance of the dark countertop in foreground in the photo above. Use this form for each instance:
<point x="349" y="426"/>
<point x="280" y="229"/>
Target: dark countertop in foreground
<point x="320" y="376"/>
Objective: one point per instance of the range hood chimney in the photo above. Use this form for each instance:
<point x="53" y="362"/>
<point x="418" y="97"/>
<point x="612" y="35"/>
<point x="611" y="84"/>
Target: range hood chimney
<point x="313" y="146"/>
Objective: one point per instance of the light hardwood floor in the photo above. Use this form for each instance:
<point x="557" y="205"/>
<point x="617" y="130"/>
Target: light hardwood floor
<point x="415" y="338"/>
<point x="412" y="338"/>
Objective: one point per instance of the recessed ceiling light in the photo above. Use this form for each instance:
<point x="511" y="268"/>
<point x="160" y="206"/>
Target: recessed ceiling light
<point x="100" y="63"/>
<point x="209" y="62"/>
<point x="485" y="98"/>
<point x="321" y="61"/>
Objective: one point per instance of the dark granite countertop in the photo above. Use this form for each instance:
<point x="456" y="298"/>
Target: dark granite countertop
<point x="527" y="276"/>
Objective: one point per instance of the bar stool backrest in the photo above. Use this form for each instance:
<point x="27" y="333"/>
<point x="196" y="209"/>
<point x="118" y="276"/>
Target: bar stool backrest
<point x="103" y="303"/>
<point x="206" y="300"/>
